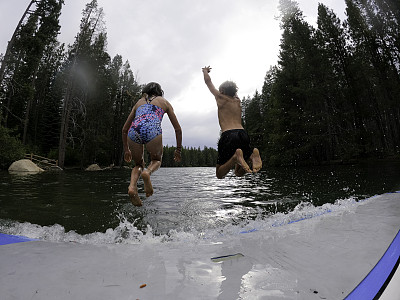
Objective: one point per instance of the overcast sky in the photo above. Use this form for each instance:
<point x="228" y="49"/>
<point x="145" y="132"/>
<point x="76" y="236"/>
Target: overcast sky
<point x="169" y="41"/>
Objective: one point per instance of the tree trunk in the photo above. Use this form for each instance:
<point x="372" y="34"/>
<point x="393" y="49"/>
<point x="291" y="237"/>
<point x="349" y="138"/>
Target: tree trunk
<point x="65" y="119"/>
<point x="28" y="106"/>
<point x="11" y="42"/>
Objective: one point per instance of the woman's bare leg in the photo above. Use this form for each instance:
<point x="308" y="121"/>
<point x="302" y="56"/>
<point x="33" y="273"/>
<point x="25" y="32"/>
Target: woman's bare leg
<point x="155" y="149"/>
<point x="132" y="189"/>
<point x="137" y="155"/>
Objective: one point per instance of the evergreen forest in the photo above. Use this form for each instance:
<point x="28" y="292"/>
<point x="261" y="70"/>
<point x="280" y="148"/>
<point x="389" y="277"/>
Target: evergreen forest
<point x="333" y="95"/>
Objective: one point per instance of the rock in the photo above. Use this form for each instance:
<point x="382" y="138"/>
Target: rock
<point x="24" y="166"/>
<point x="110" y="167"/>
<point x="93" y="167"/>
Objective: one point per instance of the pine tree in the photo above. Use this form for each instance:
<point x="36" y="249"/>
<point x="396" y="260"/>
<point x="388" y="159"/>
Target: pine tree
<point x="77" y="83"/>
<point x="253" y="114"/>
<point x="124" y="93"/>
<point x="297" y="111"/>
<point x="338" y="85"/>
<point x="378" y="77"/>
<point x="7" y="56"/>
<point x="25" y="60"/>
<point x="46" y="121"/>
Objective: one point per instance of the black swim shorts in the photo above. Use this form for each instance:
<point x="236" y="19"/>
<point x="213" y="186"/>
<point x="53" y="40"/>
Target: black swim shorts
<point x="231" y="140"/>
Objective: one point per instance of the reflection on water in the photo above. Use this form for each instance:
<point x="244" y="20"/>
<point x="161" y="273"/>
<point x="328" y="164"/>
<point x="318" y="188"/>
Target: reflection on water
<point x="189" y="199"/>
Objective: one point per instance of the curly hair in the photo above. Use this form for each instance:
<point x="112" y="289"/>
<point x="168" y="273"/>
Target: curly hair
<point x="228" y="88"/>
<point x="153" y="89"/>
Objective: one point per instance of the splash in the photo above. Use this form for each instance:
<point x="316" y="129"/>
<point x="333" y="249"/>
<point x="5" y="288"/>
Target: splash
<point x="127" y="232"/>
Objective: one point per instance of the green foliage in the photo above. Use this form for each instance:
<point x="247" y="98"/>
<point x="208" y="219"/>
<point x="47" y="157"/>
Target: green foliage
<point x="11" y="149"/>
<point x="73" y="157"/>
<point x="334" y="94"/>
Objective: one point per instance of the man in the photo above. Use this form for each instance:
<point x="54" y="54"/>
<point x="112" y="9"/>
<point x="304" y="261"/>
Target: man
<point x="234" y="144"/>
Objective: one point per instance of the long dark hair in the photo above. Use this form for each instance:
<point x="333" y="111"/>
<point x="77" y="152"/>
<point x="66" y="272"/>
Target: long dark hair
<point x="153" y="89"/>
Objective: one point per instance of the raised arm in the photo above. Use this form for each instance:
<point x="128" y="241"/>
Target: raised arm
<point x="178" y="131"/>
<point x="207" y="80"/>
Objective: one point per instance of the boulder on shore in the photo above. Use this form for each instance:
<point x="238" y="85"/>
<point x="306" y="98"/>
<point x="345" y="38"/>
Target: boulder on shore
<point x="93" y="167"/>
<point x="24" y="166"/>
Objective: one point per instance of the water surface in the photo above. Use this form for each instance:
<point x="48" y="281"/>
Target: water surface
<point x="185" y="199"/>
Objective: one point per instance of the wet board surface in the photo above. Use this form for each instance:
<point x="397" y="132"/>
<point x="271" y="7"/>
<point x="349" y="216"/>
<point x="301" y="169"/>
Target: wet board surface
<point x="323" y="257"/>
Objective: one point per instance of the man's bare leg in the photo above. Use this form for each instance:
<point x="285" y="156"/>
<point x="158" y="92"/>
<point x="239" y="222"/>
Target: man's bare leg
<point x="236" y="159"/>
<point x="148" y="187"/>
<point x="132" y="189"/>
<point x="256" y="160"/>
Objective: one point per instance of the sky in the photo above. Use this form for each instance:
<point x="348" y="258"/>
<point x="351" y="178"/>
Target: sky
<point x="169" y="41"/>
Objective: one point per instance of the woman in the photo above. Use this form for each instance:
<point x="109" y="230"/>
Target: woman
<point x="143" y="127"/>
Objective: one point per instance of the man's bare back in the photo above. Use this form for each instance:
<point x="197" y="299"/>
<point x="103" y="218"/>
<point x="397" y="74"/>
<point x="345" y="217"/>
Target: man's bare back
<point x="229" y="112"/>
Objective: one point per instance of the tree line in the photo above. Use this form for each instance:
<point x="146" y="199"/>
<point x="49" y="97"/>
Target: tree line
<point x="334" y="95"/>
<point x="190" y="157"/>
<point x="69" y="102"/>
<point x="64" y="102"/>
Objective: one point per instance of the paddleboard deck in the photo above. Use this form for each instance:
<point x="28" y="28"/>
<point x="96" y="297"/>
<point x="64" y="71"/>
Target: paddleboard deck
<point x="324" y="257"/>
<point x="383" y="282"/>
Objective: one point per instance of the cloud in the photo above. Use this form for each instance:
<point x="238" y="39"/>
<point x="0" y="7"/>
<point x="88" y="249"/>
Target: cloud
<point x="166" y="43"/>
<point x="199" y="129"/>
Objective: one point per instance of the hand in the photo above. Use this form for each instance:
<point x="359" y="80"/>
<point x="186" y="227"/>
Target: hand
<point x="206" y="69"/>
<point x="177" y="155"/>
<point x="128" y="156"/>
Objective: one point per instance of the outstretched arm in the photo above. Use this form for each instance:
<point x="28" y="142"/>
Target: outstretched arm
<point x="178" y="132"/>
<point x="207" y="80"/>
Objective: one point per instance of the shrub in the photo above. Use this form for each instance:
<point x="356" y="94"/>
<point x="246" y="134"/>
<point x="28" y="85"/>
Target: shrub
<point x="11" y="148"/>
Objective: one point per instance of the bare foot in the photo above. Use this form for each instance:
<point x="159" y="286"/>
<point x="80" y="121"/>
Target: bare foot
<point x="148" y="187"/>
<point x="239" y="172"/>
<point x="133" y="194"/>
<point x="241" y="162"/>
<point x="256" y="160"/>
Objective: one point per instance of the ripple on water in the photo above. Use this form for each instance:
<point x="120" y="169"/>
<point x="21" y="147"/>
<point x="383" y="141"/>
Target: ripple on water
<point x="184" y="198"/>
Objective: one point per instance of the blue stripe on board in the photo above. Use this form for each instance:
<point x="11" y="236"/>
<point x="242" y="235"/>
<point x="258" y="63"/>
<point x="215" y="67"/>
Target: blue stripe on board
<point x="387" y="282"/>
<point x="6" y="239"/>
<point x="372" y="284"/>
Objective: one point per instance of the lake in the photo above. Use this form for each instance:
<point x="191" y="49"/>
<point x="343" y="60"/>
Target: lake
<point x="185" y="200"/>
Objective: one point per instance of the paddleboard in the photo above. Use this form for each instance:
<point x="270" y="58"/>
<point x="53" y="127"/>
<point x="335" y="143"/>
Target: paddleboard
<point x="325" y="256"/>
<point x="383" y="282"/>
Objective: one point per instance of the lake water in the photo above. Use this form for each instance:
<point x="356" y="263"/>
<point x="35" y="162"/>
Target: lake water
<point x="74" y="205"/>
